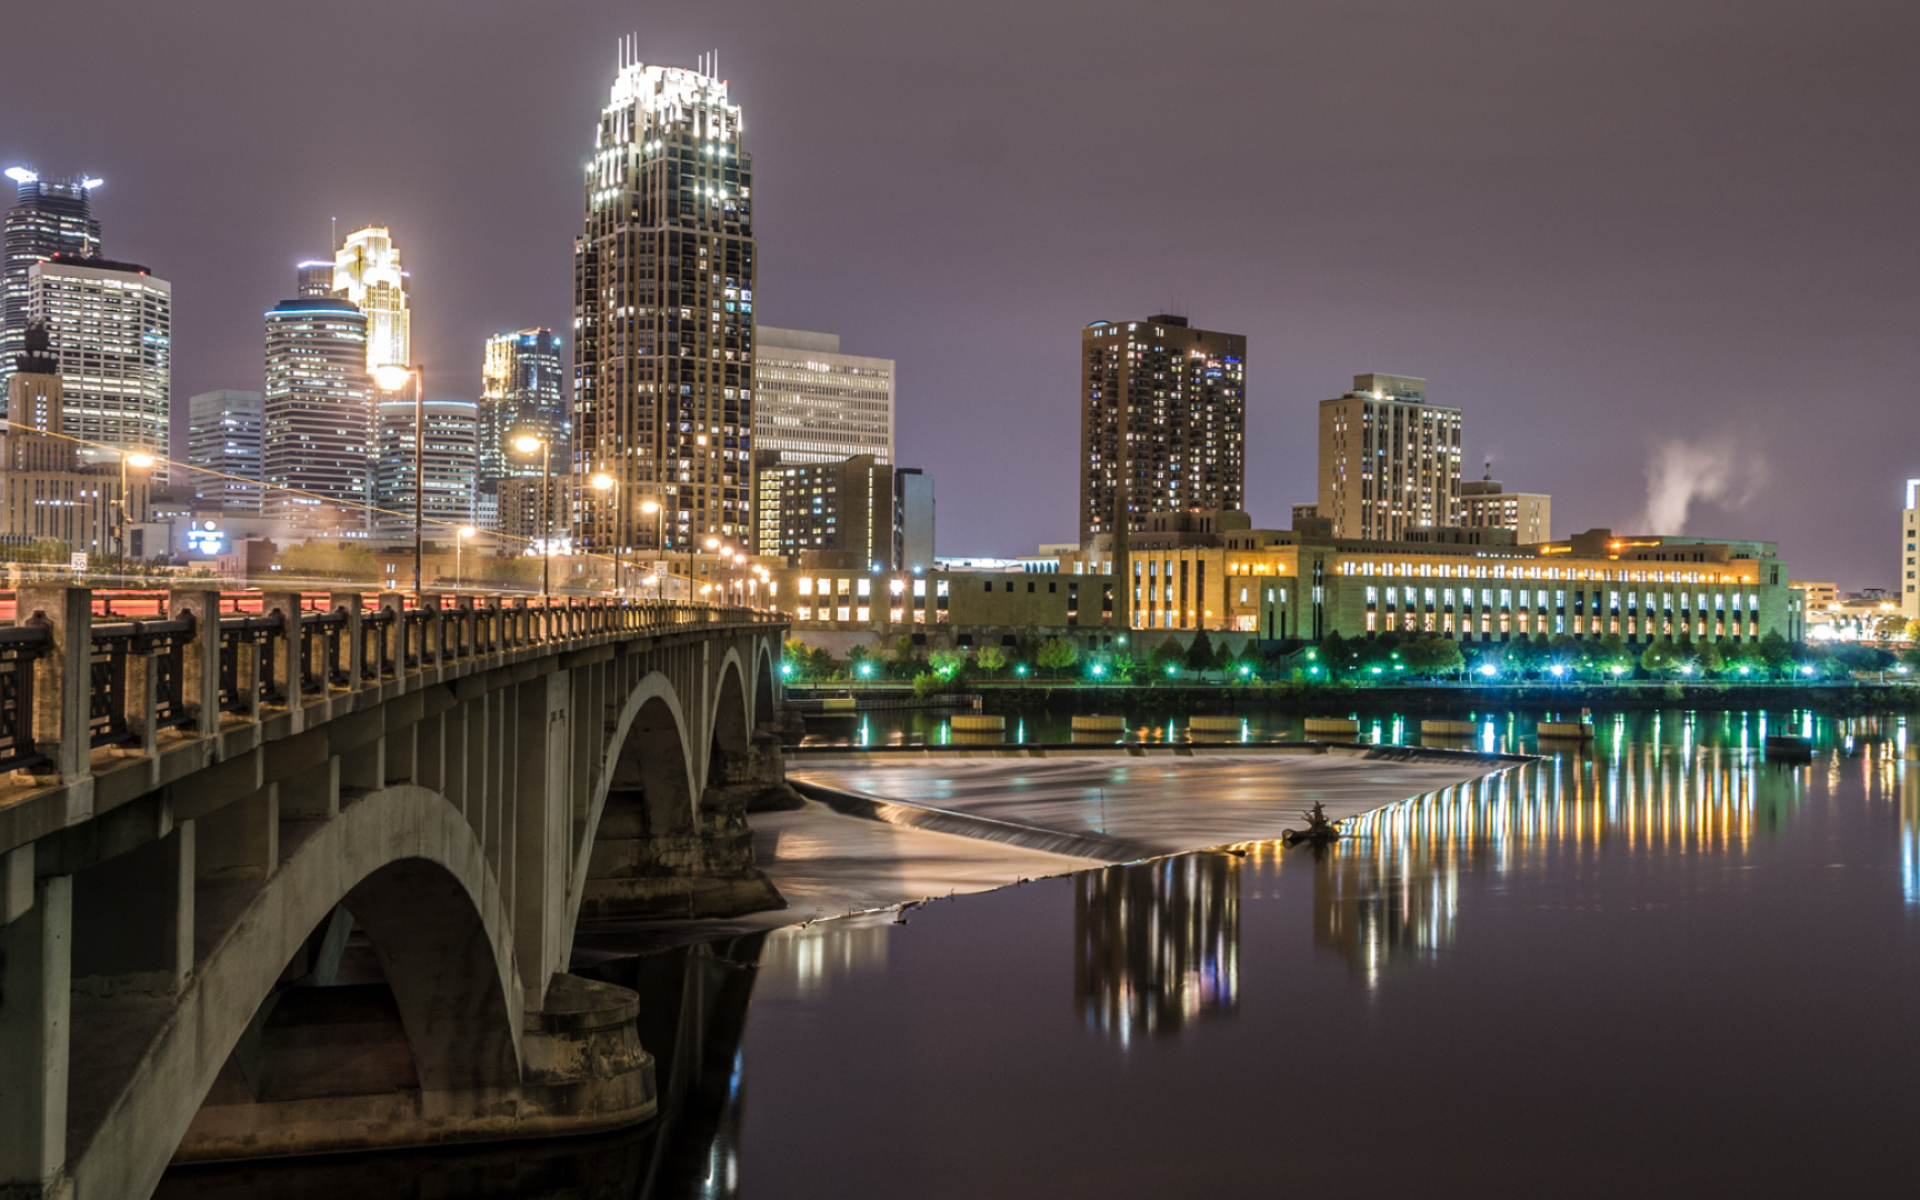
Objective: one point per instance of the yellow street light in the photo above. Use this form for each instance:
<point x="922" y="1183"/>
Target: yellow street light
<point x="141" y="460"/>
<point x="459" y="543"/>
<point x="527" y="444"/>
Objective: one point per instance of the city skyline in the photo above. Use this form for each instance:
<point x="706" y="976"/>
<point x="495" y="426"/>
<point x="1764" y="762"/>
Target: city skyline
<point x="1675" y="318"/>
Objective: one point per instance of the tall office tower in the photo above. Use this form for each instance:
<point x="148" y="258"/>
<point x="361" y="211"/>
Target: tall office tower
<point x="449" y="459"/>
<point x="663" y="314"/>
<point x="46" y="494"/>
<point x="367" y="273"/>
<point x="1389" y="461"/>
<point x="1909" y="527"/>
<point x="521" y="395"/>
<point x="50" y="216"/>
<point x="112" y="330"/>
<point x="1164" y="406"/>
<point x="814" y="404"/>
<point x="226" y="440"/>
<point x="318" y="414"/>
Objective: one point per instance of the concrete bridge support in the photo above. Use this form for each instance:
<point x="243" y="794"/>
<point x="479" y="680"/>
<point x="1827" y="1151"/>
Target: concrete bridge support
<point x="319" y="866"/>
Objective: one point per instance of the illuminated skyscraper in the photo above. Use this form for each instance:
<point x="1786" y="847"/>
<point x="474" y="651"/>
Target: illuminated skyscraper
<point x="449" y="460"/>
<point x="367" y="274"/>
<point x="112" y="330"/>
<point x="51" y="217"/>
<point x="663" y="313"/>
<point x="225" y="432"/>
<point x="1910" y="537"/>
<point x="318" y="413"/>
<point x="521" y="393"/>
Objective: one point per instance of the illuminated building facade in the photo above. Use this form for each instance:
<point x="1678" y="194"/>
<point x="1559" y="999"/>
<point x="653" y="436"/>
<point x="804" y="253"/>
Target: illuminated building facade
<point x="368" y="275"/>
<point x="1163" y="407"/>
<point x="813" y="404"/>
<point x="1485" y="505"/>
<point x="450" y="460"/>
<point x="854" y="512"/>
<point x="521" y="394"/>
<point x="1909" y="538"/>
<point x="663" y="350"/>
<point x="112" y="330"/>
<point x="226" y="440"/>
<point x="47" y="494"/>
<point x="1389" y="461"/>
<point x="49" y="217"/>
<point x="318" y="414"/>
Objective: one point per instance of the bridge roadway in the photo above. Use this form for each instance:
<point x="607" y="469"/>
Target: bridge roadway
<point x="204" y="814"/>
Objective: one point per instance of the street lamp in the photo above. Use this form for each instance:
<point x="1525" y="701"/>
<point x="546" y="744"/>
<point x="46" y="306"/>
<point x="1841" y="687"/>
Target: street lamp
<point x="604" y="482"/>
<point x="142" y="460"/>
<point x="652" y="508"/>
<point x="391" y="378"/>
<point x="466" y="531"/>
<point x="527" y="444"/>
<point x="712" y="543"/>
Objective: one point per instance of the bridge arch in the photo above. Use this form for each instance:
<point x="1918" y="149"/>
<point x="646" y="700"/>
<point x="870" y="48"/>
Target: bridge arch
<point x="398" y="854"/>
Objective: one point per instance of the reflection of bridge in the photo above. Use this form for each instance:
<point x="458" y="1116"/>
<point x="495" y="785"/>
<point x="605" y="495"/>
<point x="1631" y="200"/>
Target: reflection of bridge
<point x="211" y="813"/>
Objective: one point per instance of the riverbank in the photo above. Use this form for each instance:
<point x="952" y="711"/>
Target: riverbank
<point x="1427" y="699"/>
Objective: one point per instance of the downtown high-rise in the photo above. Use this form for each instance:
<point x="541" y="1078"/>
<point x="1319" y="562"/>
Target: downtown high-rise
<point x="49" y="217"/>
<point x="367" y="273"/>
<point x="1163" y="421"/>
<point x="522" y="394"/>
<point x="663" y="349"/>
<point x="318" y="414"/>
<point x="813" y="404"/>
<point x="111" y="325"/>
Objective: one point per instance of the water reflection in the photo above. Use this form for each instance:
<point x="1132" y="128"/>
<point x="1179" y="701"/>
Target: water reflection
<point x="1158" y="944"/>
<point x="805" y="962"/>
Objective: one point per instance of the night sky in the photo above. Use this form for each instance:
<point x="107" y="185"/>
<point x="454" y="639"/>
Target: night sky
<point x="1633" y="241"/>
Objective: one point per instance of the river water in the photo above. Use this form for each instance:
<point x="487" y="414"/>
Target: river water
<point x="1661" y="966"/>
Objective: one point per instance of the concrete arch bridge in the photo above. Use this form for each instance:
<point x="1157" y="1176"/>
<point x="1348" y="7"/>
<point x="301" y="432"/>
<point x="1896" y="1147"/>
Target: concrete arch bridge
<point x="290" y="873"/>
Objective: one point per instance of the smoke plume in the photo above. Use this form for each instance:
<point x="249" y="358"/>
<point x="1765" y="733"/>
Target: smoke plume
<point x="1716" y="470"/>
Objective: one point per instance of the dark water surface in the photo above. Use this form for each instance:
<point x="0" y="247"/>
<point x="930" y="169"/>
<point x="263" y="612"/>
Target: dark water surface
<point x="1659" y="967"/>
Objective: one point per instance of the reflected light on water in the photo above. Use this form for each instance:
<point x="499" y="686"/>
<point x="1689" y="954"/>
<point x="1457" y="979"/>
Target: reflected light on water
<point x="1158" y="944"/>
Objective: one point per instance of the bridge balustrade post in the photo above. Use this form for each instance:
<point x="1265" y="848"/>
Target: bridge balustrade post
<point x="396" y="633"/>
<point x="35" y="1024"/>
<point x="200" y="663"/>
<point x="355" y="649"/>
<point x="62" y="677"/>
<point x="287" y="650"/>
<point x="433" y="632"/>
<point x="140" y="699"/>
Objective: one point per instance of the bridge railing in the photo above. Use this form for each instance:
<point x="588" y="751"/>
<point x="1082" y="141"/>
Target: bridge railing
<point x="180" y="659"/>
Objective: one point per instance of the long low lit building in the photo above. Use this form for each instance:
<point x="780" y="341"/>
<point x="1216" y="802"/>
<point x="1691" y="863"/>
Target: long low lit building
<point x="1474" y="585"/>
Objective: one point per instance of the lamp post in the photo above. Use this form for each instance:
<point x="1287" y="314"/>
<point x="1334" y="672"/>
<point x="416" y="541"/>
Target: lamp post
<point x="459" y="543"/>
<point x="652" y="508"/>
<point x="527" y="444"/>
<point x="142" y="460"/>
<point x="604" y="482"/>
<point x="391" y="378"/>
<point x="713" y="543"/>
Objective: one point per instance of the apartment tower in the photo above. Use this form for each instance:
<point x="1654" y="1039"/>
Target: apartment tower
<point x="1389" y="461"/>
<point x="663" y="350"/>
<point x="49" y="217"/>
<point x="1163" y="419"/>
